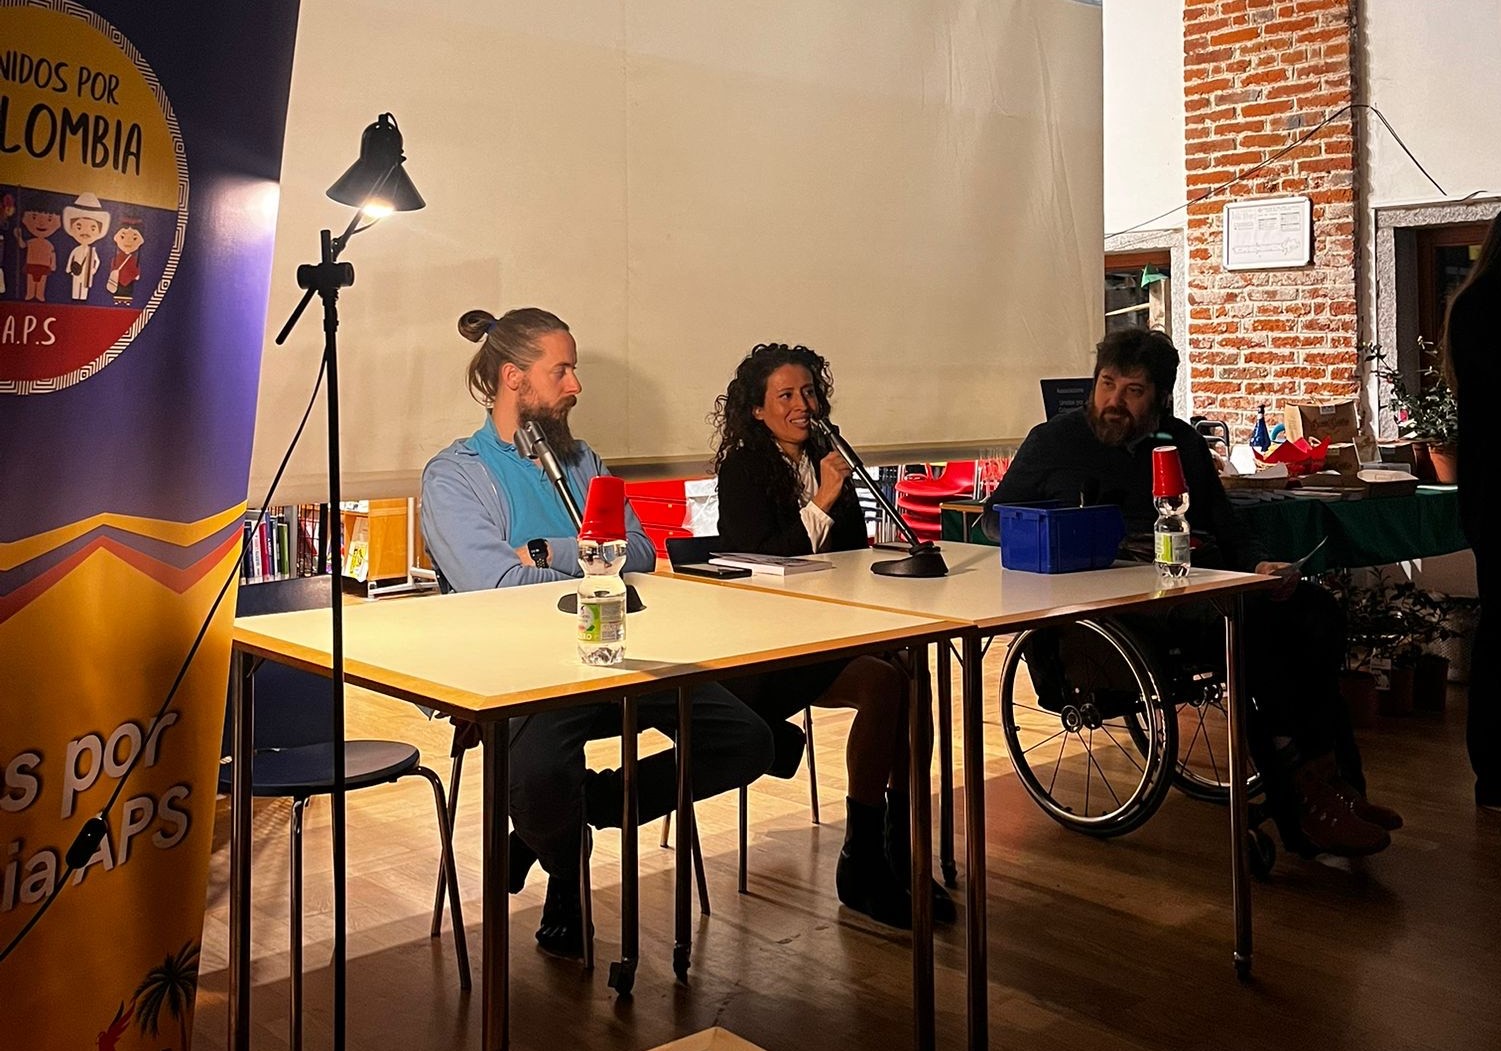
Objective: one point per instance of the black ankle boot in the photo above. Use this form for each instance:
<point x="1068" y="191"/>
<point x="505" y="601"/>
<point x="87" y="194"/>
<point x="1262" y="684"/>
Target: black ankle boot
<point x="864" y="879"/>
<point x="898" y="844"/>
<point x="561" y="931"/>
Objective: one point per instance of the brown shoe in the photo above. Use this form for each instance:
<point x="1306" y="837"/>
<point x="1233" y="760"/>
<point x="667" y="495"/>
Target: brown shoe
<point x="1328" y="822"/>
<point x="1372" y="813"/>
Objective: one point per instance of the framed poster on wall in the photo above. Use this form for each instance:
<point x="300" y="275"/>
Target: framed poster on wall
<point x="1274" y="233"/>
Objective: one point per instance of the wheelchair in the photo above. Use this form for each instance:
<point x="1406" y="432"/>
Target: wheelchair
<point x="1121" y="713"/>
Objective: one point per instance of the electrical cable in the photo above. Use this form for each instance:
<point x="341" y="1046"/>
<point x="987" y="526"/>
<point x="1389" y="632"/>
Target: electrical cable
<point x="1242" y="176"/>
<point x="97" y="827"/>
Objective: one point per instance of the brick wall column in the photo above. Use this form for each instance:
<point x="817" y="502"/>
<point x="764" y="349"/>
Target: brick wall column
<point x="1257" y="75"/>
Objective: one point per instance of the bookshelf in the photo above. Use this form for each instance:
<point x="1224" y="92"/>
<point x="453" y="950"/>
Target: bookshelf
<point x="383" y="547"/>
<point x="288" y="542"/>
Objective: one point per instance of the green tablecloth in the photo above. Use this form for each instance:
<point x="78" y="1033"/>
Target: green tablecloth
<point x="1369" y="532"/>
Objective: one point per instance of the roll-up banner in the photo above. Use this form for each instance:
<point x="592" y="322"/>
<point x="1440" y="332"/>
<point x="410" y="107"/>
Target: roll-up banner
<point x="140" y="149"/>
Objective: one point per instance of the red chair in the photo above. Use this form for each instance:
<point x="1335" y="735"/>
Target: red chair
<point x="958" y="477"/>
<point x="918" y="496"/>
<point x="662" y="507"/>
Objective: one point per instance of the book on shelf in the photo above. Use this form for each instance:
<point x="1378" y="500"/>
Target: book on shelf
<point x="774" y="565"/>
<point x="284" y="542"/>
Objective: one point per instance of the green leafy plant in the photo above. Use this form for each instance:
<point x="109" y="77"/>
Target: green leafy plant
<point x="1430" y="413"/>
<point x="1395" y="620"/>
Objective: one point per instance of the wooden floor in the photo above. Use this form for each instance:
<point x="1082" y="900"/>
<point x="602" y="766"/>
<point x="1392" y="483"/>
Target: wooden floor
<point x="1120" y="944"/>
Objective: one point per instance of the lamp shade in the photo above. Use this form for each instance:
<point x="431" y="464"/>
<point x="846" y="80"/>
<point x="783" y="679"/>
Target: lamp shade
<point x="378" y="177"/>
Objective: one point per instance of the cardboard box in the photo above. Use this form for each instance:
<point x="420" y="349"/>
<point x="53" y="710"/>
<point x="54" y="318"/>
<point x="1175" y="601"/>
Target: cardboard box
<point x="1331" y="422"/>
<point x="1342" y="457"/>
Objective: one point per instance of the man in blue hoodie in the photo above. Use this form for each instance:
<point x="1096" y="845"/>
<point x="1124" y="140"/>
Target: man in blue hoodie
<point x="491" y="518"/>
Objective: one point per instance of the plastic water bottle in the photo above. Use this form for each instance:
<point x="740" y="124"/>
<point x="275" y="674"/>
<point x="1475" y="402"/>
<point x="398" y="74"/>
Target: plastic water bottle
<point x="1170" y="532"/>
<point x="601" y="595"/>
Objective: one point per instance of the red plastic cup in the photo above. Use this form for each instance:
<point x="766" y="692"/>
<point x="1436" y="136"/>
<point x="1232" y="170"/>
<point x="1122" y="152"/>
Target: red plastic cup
<point x="604" y="510"/>
<point x="1167" y="472"/>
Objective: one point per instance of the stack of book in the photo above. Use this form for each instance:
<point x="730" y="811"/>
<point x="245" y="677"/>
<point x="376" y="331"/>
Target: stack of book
<point x="284" y="542"/>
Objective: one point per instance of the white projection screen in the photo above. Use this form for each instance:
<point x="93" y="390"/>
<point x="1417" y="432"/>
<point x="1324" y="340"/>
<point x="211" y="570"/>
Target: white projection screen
<point x="911" y="187"/>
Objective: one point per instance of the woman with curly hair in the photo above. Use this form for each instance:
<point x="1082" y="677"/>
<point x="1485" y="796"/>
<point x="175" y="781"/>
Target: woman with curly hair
<point x="782" y="491"/>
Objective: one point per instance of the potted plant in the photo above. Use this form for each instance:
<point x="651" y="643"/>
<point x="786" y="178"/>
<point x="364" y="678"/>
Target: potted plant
<point x="1428" y="416"/>
<point x="1429" y="619"/>
<point x="1393" y="628"/>
<point x="1372" y="631"/>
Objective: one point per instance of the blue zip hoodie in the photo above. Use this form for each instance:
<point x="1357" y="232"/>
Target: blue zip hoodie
<point x="466" y="524"/>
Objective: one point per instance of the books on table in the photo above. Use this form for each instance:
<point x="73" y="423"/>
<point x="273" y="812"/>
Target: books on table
<point x="775" y="565"/>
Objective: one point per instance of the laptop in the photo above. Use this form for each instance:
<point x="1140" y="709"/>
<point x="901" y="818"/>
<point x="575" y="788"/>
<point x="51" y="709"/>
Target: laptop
<point x="1063" y="395"/>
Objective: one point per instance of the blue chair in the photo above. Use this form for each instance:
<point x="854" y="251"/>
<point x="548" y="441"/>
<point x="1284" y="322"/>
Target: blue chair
<point x="293" y="756"/>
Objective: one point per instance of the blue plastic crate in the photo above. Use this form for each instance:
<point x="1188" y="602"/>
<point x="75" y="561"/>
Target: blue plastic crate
<point x="1051" y="537"/>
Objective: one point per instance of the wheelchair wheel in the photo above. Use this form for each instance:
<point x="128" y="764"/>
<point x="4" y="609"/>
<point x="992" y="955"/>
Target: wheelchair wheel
<point x="1097" y="746"/>
<point x="1203" y="768"/>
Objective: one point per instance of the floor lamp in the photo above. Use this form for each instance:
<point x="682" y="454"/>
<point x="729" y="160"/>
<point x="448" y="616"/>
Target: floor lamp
<point x="375" y="185"/>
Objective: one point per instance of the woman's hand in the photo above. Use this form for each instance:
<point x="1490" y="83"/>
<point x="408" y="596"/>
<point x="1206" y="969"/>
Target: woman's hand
<point x="833" y="470"/>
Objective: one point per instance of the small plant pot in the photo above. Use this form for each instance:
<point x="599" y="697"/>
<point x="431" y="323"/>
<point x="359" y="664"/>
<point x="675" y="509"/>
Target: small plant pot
<point x="1358" y="688"/>
<point x="1445" y="461"/>
<point x="1396" y="699"/>
<point x="1430" y="683"/>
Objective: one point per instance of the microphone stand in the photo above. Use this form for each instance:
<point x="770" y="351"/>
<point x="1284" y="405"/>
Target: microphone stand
<point x="531" y="444"/>
<point x="923" y="556"/>
<point x="324" y="279"/>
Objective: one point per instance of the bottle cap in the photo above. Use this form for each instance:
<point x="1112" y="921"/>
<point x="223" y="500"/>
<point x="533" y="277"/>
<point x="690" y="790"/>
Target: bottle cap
<point x="1167" y="472"/>
<point x="604" y="510"/>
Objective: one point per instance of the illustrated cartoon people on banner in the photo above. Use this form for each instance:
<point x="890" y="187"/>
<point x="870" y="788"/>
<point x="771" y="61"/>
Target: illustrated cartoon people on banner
<point x="85" y="222"/>
<point x="125" y="268"/>
<point x="38" y="251"/>
<point x="7" y="211"/>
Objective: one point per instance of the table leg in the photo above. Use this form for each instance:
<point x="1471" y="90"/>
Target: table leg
<point x="1240" y="874"/>
<point x="623" y="971"/>
<point x="495" y="894"/>
<point x="946" y="766"/>
<point x="972" y="699"/>
<point x="920" y="731"/>
<point x="682" y="950"/>
<point x="242" y="711"/>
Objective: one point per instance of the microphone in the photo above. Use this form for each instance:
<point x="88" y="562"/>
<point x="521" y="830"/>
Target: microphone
<point x="534" y="446"/>
<point x="923" y="557"/>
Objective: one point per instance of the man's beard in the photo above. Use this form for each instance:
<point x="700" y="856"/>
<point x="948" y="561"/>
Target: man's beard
<point x="1117" y="428"/>
<point x="553" y="423"/>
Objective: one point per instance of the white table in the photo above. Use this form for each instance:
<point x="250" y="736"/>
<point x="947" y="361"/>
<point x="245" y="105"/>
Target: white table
<point x="991" y="600"/>
<point x="494" y="655"/>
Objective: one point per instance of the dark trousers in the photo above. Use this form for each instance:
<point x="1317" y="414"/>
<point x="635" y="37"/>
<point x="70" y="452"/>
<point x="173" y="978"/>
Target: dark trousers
<point x="1483" y="718"/>
<point x="731" y="747"/>
<point x="1292" y="653"/>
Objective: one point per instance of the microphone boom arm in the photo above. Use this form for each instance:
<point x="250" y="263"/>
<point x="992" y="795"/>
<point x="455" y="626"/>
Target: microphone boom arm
<point x="533" y="445"/>
<point x="923" y="556"/>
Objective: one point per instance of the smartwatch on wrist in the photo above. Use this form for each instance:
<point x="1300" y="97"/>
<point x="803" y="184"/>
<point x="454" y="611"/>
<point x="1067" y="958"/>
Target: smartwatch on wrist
<point x="538" y="550"/>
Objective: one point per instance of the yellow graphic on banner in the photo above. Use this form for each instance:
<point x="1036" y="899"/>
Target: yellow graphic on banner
<point x="77" y="116"/>
<point x="84" y="666"/>
<point x="183" y="534"/>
